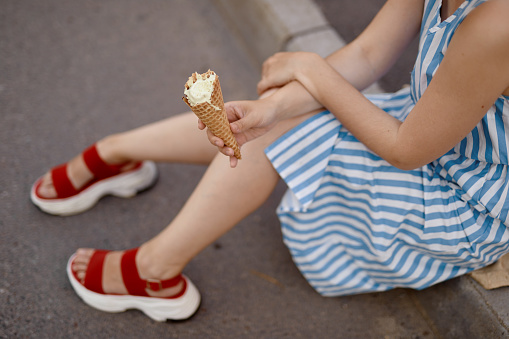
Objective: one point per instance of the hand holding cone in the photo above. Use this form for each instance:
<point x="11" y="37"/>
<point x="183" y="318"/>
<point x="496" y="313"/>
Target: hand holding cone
<point x="211" y="112"/>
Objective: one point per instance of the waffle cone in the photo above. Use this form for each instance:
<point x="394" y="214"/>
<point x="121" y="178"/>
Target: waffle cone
<point x="215" y="119"/>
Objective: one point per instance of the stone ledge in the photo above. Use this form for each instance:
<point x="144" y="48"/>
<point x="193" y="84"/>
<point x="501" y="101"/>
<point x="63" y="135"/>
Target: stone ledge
<point x="270" y="26"/>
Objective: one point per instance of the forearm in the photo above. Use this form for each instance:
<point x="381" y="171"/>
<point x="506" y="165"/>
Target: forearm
<point x="293" y="99"/>
<point x="370" y="125"/>
<point x="354" y="66"/>
<point x="289" y="101"/>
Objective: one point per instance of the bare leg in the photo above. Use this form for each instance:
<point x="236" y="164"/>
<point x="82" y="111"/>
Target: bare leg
<point x="223" y="197"/>
<point x="176" y="139"/>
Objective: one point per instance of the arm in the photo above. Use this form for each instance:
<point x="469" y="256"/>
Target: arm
<point x="360" y="63"/>
<point x="472" y="75"/>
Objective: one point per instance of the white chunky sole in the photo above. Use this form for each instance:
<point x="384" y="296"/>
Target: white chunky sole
<point x="158" y="309"/>
<point x="124" y="185"/>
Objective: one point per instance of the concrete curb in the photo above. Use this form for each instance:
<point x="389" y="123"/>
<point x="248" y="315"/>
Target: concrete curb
<point x="270" y="26"/>
<point x="281" y="25"/>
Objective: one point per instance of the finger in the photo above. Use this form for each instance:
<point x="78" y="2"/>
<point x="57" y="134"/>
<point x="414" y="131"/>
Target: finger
<point x="265" y="84"/>
<point x="237" y="126"/>
<point x="228" y="151"/>
<point x="243" y="124"/>
<point x="241" y="139"/>
<point x="234" y="111"/>
<point x="265" y="65"/>
<point x="214" y="140"/>
<point x="222" y="150"/>
<point x="233" y="162"/>
<point x="201" y="125"/>
<point x="260" y="87"/>
<point x="268" y="92"/>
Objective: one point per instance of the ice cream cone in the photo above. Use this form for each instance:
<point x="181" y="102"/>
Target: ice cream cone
<point x="212" y="112"/>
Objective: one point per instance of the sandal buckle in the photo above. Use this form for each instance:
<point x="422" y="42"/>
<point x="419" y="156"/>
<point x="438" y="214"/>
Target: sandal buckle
<point x="154" y="285"/>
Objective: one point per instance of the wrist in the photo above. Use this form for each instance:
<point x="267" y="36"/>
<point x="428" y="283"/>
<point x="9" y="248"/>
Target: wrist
<point x="272" y="108"/>
<point x="308" y="66"/>
<point x="290" y="101"/>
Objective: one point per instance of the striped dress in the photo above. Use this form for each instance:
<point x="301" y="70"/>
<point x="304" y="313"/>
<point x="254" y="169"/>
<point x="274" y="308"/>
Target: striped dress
<point x="355" y="224"/>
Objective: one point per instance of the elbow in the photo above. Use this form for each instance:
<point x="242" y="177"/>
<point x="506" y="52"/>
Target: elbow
<point x="405" y="161"/>
<point x="404" y="165"/>
<point x="405" y="153"/>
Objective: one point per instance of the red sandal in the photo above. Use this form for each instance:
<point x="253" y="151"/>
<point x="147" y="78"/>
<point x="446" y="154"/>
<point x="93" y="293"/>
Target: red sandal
<point x="108" y="180"/>
<point x="178" y="307"/>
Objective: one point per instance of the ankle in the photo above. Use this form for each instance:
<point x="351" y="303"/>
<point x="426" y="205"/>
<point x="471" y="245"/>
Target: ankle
<point x="110" y="151"/>
<point x="151" y="264"/>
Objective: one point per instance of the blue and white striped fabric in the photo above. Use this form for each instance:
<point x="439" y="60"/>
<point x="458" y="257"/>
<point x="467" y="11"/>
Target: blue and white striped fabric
<point x="355" y="224"/>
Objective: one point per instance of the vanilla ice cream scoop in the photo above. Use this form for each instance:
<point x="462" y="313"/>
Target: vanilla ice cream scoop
<point x="200" y="91"/>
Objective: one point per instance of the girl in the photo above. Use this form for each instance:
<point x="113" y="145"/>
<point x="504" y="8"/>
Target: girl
<point x="396" y="190"/>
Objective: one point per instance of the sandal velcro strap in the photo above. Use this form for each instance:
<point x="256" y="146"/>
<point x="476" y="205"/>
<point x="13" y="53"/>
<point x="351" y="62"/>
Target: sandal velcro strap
<point x="97" y="166"/>
<point x="134" y="284"/>
<point x="157" y="285"/>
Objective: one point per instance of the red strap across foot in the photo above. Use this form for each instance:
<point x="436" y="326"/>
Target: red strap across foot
<point x="94" y="275"/>
<point x="97" y="166"/>
<point x="61" y="182"/>
<point x="135" y="285"/>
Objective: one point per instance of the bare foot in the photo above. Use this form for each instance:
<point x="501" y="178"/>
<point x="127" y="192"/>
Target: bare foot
<point x="112" y="282"/>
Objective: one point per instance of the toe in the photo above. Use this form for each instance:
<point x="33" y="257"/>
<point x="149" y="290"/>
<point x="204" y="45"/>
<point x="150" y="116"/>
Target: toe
<point x="81" y="261"/>
<point x="46" y="189"/>
<point x="84" y="252"/>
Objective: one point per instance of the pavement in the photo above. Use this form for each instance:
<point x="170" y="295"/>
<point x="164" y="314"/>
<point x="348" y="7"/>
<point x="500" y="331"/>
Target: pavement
<point x="73" y="72"/>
